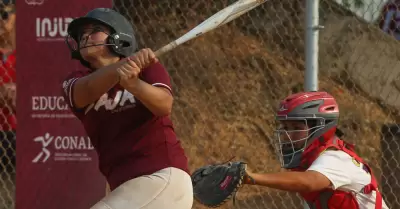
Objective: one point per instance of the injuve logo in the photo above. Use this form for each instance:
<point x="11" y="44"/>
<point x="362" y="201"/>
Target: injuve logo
<point x="52" y="28"/>
<point x="63" y="148"/>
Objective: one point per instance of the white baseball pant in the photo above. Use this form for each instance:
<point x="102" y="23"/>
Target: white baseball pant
<point x="169" y="188"/>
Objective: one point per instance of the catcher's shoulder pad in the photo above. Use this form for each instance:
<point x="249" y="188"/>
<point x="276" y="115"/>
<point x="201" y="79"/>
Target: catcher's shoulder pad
<point x="213" y="185"/>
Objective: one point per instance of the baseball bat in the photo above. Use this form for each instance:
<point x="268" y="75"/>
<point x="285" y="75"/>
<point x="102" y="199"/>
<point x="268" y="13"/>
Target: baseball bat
<point x="220" y="18"/>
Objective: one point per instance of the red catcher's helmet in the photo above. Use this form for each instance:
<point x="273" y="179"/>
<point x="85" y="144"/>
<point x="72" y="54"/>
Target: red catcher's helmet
<point x="317" y="110"/>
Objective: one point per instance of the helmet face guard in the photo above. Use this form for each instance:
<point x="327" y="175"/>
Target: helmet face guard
<point x="302" y="118"/>
<point x="289" y="144"/>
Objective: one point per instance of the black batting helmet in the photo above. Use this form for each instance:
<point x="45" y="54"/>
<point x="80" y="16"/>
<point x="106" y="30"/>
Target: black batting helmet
<point x="121" y="41"/>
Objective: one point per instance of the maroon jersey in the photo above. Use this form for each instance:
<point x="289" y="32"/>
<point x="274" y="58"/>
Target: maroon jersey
<point x="129" y="139"/>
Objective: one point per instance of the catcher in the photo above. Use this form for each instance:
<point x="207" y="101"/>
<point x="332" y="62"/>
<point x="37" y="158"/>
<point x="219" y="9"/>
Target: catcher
<point x="322" y="168"/>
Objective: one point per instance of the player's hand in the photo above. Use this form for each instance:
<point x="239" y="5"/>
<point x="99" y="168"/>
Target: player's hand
<point x="144" y="58"/>
<point x="128" y="73"/>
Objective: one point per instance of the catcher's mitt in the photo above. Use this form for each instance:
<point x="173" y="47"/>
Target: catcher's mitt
<point x="213" y="185"/>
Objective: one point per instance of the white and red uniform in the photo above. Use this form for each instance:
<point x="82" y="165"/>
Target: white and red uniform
<point x="353" y="184"/>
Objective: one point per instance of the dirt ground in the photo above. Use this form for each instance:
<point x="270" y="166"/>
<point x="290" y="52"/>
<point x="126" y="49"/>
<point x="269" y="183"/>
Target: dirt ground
<point x="228" y="82"/>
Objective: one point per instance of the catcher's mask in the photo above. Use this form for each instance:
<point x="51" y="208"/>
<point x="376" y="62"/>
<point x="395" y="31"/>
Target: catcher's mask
<point x="302" y="118"/>
<point x="121" y="38"/>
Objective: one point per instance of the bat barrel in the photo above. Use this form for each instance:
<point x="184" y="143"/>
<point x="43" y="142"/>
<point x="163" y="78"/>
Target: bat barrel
<point x="222" y="17"/>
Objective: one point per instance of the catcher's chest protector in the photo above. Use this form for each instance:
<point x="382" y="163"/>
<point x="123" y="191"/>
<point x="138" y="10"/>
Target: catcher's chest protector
<point x="336" y="199"/>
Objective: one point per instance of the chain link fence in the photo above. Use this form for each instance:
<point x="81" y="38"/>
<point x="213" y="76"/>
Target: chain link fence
<point x="228" y="82"/>
<point x="7" y="105"/>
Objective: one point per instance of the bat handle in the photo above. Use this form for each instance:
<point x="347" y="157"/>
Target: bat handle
<point x="166" y="48"/>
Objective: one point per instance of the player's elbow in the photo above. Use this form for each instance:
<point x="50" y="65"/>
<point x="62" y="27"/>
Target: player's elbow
<point x="168" y="106"/>
<point x="162" y="112"/>
<point x="319" y="182"/>
<point x="165" y="107"/>
<point x="309" y="186"/>
<point x="302" y="185"/>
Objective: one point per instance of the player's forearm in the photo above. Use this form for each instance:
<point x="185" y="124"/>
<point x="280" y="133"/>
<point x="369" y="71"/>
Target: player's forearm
<point x="156" y="99"/>
<point x="91" y="87"/>
<point x="287" y="181"/>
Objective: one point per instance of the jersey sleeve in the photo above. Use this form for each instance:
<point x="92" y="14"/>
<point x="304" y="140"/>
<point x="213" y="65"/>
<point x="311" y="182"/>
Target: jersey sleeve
<point x="336" y="165"/>
<point x="67" y="90"/>
<point x="157" y="75"/>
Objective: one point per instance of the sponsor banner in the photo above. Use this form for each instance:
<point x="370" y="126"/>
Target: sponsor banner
<point x="50" y="107"/>
<point x="56" y="163"/>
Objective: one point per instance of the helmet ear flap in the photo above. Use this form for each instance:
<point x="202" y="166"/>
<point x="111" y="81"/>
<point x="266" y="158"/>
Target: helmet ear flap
<point x="113" y="44"/>
<point x="118" y="44"/>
